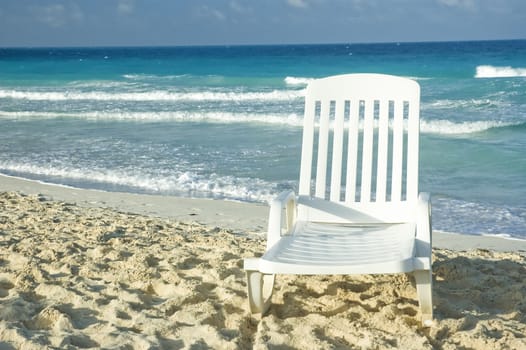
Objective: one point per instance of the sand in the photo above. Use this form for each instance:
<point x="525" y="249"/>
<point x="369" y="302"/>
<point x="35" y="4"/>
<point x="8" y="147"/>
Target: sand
<point x="87" y="273"/>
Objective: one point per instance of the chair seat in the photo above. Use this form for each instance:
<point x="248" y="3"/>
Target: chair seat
<point x="328" y="248"/>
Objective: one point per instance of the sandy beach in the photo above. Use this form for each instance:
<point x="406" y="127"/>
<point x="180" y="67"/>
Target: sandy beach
<point x="90" y="269"/>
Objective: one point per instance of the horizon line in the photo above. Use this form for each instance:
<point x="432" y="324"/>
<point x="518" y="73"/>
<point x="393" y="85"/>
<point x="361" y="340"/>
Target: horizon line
<point x="256" y="45"/>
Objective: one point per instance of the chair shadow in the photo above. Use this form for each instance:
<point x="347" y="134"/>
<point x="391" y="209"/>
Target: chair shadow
<point x="477" y="288"/>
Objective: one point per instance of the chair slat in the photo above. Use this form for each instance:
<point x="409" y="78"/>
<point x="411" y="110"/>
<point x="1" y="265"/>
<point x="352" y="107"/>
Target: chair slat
<point x="367" y="153"/>
<point x="307" y="148"/>
<point x="383" y="139"/>
<point x="398" y="149"/>
<point x="352" y="152"/>
<point x="323" y="147"/>
<point x="412" y="151"/>
<point x="337" y="151"/>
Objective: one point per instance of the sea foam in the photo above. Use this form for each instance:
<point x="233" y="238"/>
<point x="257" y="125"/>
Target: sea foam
<point x="446" y="127"/>
<point x="158" y="95"/>
<point x="298" y="80"/>
<point x="499" y="72"/>
<point x="474" y="103"/>
<point x="179" y="183"/>
<point x="186" y="116"/>
<point x="431" y="126"/>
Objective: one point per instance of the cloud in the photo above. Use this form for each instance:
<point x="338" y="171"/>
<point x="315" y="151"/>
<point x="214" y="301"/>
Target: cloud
<point x="238" y="8"/>
<point x="57" y="15"/>
<point x="463" y="4"/>
<point x="298" y="3"/>
<point x="125" y="7"/>
<point x="209" y="12"/>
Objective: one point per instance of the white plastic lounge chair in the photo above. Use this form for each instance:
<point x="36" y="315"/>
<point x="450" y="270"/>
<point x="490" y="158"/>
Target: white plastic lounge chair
<point x="358" y="210"/>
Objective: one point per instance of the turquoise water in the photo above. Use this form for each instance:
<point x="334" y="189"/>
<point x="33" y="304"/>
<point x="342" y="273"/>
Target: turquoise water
<point x="225" y="122"/>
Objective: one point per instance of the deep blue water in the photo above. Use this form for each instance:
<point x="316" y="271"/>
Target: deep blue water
<point x="225" y="122"/>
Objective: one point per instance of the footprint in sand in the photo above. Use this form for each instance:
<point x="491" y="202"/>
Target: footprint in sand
<point x="5" y="286"/>
<point x="49" y="318"/>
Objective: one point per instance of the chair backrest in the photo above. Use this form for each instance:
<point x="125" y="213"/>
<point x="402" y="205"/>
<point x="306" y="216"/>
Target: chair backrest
<point x="361" y="139"/>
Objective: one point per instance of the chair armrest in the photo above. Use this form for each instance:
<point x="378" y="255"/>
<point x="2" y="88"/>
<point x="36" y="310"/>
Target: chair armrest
<point x="285" y="200"/>
<point x="423" y="226"/>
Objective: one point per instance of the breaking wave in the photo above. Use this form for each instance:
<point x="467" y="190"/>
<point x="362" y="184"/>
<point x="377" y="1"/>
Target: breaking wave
<point x="441" y="127"/>
<point x="159" y="95"/>
<point x="463" y="103"/>
<point x="499" y="72"/>
<point x="446" y="127"/>
<point x="180" y="183"/>
<point x="298" y="80"/>
<point x="210" y="117"/>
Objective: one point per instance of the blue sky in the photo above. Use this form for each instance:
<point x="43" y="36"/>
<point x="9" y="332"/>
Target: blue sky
<point x="234" y="22"/>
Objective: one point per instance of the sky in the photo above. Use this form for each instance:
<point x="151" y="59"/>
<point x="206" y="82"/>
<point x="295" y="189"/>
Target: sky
<point x="32" y="23"/>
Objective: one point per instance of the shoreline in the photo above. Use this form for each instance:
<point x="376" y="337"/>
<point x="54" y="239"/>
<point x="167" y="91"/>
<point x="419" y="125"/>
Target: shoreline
<point x="210" y="212"/>
<point x="240" y="217"/>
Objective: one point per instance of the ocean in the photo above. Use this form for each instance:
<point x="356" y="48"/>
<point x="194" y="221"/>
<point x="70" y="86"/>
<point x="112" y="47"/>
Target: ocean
<point x="225" y="122"/>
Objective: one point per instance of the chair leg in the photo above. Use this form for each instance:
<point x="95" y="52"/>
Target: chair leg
<point x="424" y="284"/>
<point x="260" y="289"/>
